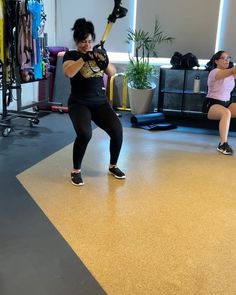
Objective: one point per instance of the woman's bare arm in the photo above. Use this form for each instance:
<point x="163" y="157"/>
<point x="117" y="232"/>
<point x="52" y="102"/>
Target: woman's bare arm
<point x="71" y="67"/>
<point x="110" y="70"/>
<point x="221" y="74"/>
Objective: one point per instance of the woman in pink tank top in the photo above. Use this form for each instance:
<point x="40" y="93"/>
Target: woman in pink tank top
<point x="219" y="106"/>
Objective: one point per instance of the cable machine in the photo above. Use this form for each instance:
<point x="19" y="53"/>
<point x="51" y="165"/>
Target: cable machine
<point x="23" y="57"/>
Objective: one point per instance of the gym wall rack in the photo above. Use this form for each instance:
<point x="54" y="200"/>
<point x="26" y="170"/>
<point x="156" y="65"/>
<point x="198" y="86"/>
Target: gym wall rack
<point x="15" y="16"/>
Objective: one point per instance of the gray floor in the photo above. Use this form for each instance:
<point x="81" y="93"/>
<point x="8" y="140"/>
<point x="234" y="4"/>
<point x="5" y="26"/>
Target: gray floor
<point x="34" y="258"/>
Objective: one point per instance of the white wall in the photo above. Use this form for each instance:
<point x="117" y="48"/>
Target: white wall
<point x="50" y="7"/>
<point x="228" y="33"/>
<point x="193" y="23"/>
<point x="97" y="12"/>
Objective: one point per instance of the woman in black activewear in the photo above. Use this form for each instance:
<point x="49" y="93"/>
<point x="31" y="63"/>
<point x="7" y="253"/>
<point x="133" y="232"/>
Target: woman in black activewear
<point x="88" y="102"/>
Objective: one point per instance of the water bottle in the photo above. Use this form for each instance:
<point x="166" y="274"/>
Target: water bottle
<point x="196" y="84"/>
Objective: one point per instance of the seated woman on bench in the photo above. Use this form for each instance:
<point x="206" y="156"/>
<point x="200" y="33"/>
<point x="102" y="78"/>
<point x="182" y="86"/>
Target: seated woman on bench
<point x="219" y="106"/>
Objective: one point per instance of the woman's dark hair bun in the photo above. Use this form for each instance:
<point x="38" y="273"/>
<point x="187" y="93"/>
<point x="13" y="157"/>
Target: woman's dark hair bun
<point x="82" y="28"/>
<point x="79" y="23"/>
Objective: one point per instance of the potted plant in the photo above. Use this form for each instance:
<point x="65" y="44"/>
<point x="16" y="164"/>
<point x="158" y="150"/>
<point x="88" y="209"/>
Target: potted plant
<point x="139" y="70"/>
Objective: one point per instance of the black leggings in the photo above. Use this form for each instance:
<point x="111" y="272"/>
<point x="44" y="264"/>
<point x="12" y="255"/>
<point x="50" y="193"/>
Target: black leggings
<point x="105" y="118"/>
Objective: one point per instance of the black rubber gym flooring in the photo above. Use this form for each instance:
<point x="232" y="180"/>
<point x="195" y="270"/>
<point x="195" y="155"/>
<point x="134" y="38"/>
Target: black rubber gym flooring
<point x="34" y="258"/>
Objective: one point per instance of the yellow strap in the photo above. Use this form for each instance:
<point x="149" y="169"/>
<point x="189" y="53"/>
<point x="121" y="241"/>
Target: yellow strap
<point x="107" y="31"/>
<point x="2" y="57"/>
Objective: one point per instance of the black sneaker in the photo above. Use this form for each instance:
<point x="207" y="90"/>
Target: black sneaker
<point x="225" y="149"/>
<point x="116" y="172"/>
<point x="76" y="178"/>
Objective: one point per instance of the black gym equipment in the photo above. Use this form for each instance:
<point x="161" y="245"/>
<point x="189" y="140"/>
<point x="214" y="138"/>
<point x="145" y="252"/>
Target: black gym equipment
<point x="151" y="121"/>
<point x="99" y="53"/>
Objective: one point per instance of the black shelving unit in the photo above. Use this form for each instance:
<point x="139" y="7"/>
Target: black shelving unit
<point x="176" y="95"/>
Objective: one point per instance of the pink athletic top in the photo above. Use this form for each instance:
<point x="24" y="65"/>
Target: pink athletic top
<point x="220" y="89"/>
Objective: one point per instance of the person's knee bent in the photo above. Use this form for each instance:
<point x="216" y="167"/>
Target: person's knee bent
<point x="226" y="114"/>
<point x="116" y="131"/>
<point x="84" y="136"/>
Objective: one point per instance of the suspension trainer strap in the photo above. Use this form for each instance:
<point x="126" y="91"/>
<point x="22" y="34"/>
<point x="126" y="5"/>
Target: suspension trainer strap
<point x="99" y="53"/>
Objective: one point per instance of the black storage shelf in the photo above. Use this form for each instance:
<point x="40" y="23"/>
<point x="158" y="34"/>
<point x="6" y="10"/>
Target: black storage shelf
<point x="176" y="95"/>
<point x="195" y="93"/>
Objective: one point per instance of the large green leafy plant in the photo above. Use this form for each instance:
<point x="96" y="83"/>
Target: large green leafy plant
<point x="139" y="69"/>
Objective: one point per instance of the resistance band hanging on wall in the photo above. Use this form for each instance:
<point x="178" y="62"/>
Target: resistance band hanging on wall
<point x="31" y="52"/>
<point x="23" y="55"/>
<point x="1" y="32"/>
